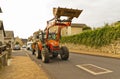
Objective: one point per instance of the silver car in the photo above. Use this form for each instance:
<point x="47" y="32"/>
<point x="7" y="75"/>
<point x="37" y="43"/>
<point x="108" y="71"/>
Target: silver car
<point x="16" y="47"/>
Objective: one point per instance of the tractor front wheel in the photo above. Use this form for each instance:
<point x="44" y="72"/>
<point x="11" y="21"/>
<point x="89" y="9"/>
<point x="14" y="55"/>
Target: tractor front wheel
<point x="38" y="52"/>
<point x="65" y="53"/>
<point x="45" y="55"/>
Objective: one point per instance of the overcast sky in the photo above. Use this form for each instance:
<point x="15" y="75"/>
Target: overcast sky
<point x="27" y="16"/>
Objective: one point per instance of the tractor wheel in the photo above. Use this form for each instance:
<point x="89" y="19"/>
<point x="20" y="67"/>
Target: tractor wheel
<point x="38" y="52"/>
<point x="45" y="55"/>
<point x="54" y="55"/>
<point x="33" y="52"/>
<point x="65" y="53"/>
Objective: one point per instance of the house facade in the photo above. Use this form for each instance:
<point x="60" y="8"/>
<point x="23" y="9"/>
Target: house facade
<point x="2" y="32"/>
<point x="9" y="37"/>
<point x="18" y="40"/>
<point x="75" y="28"/>
<point x="24" y="41"/>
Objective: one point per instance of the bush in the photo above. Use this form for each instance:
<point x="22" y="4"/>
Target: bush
<point x="96" y="38"/>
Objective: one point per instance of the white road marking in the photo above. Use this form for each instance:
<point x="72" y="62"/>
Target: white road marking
<point x="92" y="72"/>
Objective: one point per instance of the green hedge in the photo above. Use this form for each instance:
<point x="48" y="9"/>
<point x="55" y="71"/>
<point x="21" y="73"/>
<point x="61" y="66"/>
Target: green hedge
<point x="95" y="38"/>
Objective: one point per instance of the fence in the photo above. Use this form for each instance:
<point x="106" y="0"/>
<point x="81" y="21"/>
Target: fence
<point x="5" y="54"/>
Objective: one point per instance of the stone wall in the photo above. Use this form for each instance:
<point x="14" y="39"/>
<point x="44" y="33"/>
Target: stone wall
<point x="112" y="48"/>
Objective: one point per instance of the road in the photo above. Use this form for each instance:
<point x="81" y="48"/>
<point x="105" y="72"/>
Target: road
<point x="81" y="66"/>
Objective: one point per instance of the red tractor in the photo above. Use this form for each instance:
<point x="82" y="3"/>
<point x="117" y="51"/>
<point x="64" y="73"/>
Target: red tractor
<point x="49" y="43"/>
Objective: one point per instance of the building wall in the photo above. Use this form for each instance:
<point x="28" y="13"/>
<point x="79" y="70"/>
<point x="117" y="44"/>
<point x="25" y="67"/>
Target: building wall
<point x="17" y="39"/>
<point x="1" y="31"/>
<point x="64" y="31"/>
<point x="76" y="30"/>
<point x="1" y="36"/>
<point x="53" y="29"/>
<point x="71" y="30"/>
<point x="9" y="40"/>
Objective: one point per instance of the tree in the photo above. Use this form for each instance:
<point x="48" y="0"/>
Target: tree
<point x="17" y="42"/>
<point x="87" y="28"/>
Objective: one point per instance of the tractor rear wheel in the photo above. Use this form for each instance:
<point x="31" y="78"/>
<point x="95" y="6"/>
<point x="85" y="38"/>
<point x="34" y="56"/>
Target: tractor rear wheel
<point x="65" y="53"/>
<point x="45" y="55"/>
<point x="38" y="52"/>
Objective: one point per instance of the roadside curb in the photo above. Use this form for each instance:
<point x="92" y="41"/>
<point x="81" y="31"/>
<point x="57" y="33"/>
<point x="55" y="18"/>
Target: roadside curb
<point x="115" y="56"/>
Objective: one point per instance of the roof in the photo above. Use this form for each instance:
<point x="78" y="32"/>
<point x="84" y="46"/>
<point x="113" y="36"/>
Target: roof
<point x="9" y="34"/>
<point x="77" y="25"/>
<point x="2" y="27"/>
<point x="24" y="40"/>
<point x="0" y="10"/>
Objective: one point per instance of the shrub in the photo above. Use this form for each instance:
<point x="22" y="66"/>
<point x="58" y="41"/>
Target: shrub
<point x="95" y="38"/>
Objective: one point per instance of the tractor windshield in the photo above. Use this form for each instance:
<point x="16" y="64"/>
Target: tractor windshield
<point x="52" y="36"/>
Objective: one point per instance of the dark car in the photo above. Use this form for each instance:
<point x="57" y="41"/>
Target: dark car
<point x="16" y="47"/>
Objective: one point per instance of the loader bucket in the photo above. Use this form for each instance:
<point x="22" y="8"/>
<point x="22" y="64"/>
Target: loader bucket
<point x="71" y="13"/>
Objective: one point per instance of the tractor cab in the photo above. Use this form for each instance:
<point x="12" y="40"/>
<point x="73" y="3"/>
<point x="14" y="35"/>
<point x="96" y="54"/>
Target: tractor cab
<point x="52" y="36"/>
<point x="42" y="36"/>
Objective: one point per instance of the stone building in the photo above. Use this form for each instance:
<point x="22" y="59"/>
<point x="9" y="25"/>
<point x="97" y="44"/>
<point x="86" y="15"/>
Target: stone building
<point x="24" y="41"/>
<point x="2" y="32"/>
<point x="75" y="28"/>
<point x="18" y="40"/>
<point x="9" y="37"/>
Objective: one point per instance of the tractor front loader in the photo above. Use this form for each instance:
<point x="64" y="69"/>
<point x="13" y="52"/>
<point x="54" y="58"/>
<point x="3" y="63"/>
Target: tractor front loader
<point x="49" y="44"/>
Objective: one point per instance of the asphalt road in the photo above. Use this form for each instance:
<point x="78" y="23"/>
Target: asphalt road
<point x="59" y="69"/>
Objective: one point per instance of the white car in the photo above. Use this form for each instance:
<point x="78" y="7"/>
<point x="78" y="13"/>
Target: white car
<point x="29" y="45"/>
<point x="17" y="47"/>
<point x="24" y="46"/>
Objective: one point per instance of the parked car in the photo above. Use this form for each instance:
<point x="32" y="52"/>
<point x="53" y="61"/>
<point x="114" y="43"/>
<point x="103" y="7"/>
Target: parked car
<point x="17" y="47"/>
<point x="29" y="45"/>
<point x="24" y="46"/>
